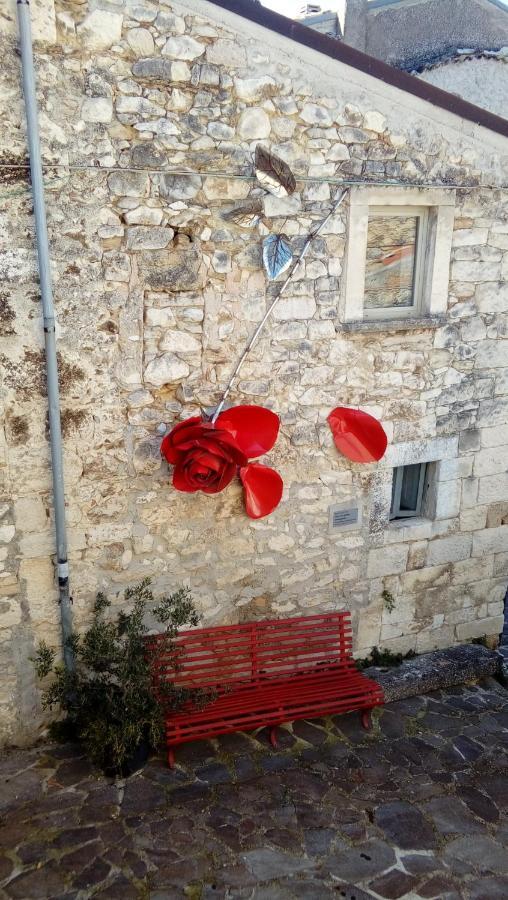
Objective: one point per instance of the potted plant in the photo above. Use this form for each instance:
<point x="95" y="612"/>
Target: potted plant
<point x="108" y="699"/>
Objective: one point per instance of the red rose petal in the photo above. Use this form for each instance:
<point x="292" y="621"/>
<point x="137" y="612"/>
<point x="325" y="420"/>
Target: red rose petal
<point x="181" y="481"/>
<point x="253" y="428"/>
<point x="169" y="447"/>
<point x="227" y="475"/>
<point x="357" y="435"/>
<point x="262" y="489"/>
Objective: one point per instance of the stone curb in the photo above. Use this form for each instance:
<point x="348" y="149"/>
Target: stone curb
<point x="437" y="670"/>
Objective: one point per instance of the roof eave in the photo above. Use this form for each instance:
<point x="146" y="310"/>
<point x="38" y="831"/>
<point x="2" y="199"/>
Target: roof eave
<point x="369" y="65"/>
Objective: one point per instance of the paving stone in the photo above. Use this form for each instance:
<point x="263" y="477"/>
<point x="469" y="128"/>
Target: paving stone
<point x="441" y="887"/>
<point x="266" y="864"/>
<point x="494" y="888"/>
<point x="215" y="773"/>
<point x="419" y="863"/>
<point x="6" y="866"/>
<point x="308" y="732"/>
<point x="96" y="872"/>
<point x="73" y="771"/>
<point x="350" y="891"/>
<point x="42" y="883"/>
<point x="318" y="840"/>
<point x="394" y="884"/>
<point x="405" y="825"/>
<point x="479" y="804"/>
<point x="119" y="889"/>
<point x="304" y="888"/>
<point x="361" y="862"/>
<point x="244" y="768"/>
<point x="142" y="795"/>
<point x="73" y="837"/>
<point x="482" y="853"/>
<point x="276" y="762"/>
<point x="450" y="816"/>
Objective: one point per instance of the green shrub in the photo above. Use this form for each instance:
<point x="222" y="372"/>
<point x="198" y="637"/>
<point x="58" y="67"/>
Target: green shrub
<point x="109" y="701"/>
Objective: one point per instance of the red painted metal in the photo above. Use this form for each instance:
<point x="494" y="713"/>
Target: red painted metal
<point x="357" y="435"/>
<point x="264" y="674"/>
<point x="207" y="455"/>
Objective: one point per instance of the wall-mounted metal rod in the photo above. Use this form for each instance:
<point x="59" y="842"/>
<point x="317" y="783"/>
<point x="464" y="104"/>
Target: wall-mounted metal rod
<point x="28" y="74"/>
<point x="303" y="179"/>
<point x="254" y="338"/>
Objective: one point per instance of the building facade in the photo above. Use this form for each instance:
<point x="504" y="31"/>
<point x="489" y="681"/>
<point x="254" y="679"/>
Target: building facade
<point x="150" y="113"/>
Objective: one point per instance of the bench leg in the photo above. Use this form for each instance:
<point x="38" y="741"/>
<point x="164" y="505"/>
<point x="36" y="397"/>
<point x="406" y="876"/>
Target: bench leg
<point x="273" y="735"/>
<point x="171" y="758"/>
<point x="366" y="720"/>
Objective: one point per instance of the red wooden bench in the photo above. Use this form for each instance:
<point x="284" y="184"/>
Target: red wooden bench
<point x="263" y="674"/>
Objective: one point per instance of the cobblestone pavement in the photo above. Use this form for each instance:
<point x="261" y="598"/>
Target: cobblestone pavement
<point x="414" y="809"/>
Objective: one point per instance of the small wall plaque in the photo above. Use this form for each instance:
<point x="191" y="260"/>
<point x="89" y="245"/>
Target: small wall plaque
<point x="344" y="516"/>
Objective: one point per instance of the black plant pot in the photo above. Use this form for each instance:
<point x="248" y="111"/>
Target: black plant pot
<point x="132" y="764"/>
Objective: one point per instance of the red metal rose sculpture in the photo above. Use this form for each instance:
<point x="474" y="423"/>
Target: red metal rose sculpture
<point x="207" y="456"/>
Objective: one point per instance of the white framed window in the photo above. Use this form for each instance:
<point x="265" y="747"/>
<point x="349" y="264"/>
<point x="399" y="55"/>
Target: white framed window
<point x="408" y="489"/>
<point x="395" y="261"/>
<point x="398" y="253"/>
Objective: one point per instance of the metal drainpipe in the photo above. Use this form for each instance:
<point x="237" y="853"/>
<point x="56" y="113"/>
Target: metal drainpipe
<point x="28" y="73"/>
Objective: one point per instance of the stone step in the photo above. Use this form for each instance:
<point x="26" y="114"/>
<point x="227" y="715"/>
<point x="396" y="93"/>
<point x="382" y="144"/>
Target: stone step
<point x="438" y="669"/>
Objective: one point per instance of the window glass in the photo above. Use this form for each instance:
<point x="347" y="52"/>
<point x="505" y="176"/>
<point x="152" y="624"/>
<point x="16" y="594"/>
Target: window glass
<point x="408" y="491"/>
<point x="410" y="488"/>
<point x="390" y="263"/>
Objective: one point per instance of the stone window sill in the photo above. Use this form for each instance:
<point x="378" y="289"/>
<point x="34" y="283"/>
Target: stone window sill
<point x="411" y="520"/>
<point x="393" y="325"/>
<point x="413" y="528"/>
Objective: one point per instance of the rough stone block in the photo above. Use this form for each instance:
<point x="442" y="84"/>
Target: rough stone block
<point x="449" y="549"/>
<point x="493" y="487"/>
<point x="254" y="124"/>
<point x="422" y="579"/>
<point x="492" y="354"/>
<point x="291" y="308"/>
<point x="492" y="540"/>
<point x="490" y="461"/>
<point x="140" y="41"/>
<point x="97" y="109"/>
<point x="479" y="627"/>
<point x="145" y="237"/>
<point x="100" y="29"/>
<point x="129" y="184"/>
<point x="448" y="499"/>
<point x="387" y="561"/>
<point x="166" y="369"/>
<point x="30" y="514"/>
<point x="495" y="437"/>
<point x="183" y="47"/>
<point x="492" y="297"/>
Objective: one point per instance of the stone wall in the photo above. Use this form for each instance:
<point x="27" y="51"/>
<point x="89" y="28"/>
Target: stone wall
<point x="156" y="295"/>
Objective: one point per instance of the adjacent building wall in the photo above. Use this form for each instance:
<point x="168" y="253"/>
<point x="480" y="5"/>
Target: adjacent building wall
<point x="156" y="295"/>
<point x="411" y="32"/>
<point x="483" y="80"/>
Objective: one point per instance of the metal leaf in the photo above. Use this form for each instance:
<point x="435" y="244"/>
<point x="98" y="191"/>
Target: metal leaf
<point x="246" y="214"/>
<point x="277" y="255"/>
<point x="273" y="173"/>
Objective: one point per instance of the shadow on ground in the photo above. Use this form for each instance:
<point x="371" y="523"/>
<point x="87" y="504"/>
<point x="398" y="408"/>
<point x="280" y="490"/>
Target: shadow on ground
<point x="414" y="809"/>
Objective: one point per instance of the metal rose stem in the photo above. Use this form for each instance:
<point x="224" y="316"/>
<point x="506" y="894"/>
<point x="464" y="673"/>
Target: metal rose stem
<point x="274" y="302"/>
